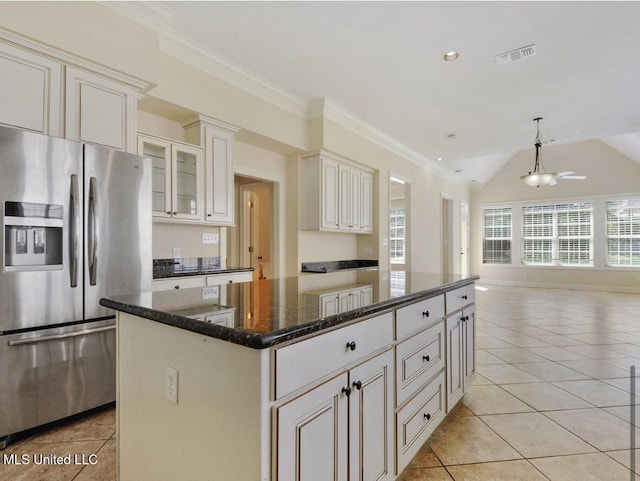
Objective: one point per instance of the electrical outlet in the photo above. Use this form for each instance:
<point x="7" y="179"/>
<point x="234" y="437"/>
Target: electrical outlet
<point x="210" y="238"/>
<point x="210" y="292"/>
<point x="172" y="385"/>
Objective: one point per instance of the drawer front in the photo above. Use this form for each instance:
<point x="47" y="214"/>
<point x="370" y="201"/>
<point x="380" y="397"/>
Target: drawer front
<point x="458" y="298"/>
<point x="302" y="363"/>
<point x="230" y="278"/>
<point x="418" y="359"/>
<point x="177" y="283"/>
<point x="417" y="316"/>
<point x="417" y="420"/>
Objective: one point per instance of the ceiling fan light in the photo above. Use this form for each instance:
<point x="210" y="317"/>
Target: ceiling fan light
<point x="538" y="179"/>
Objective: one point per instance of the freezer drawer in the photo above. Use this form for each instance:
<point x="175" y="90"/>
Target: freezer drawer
<point x="54" y="373"/>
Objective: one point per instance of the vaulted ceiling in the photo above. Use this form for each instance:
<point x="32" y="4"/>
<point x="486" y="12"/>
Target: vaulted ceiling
<point x="383" y="63"/>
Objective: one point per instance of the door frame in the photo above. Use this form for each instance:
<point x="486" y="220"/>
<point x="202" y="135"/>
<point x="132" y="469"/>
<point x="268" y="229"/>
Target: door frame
<point x="277" y="215"/>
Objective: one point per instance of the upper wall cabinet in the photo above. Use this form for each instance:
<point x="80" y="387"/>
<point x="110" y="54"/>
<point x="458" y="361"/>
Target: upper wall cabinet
<point x="54" y="93"/>
<point x="177" y="178"/>
<point x="99" y="110"/>
<point x="338" y="195"/>
<point x="217" y="139"/>
<point x="30" y="90"/>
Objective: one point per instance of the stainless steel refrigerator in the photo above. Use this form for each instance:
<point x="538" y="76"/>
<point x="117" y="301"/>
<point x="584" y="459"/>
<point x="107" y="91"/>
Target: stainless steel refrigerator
<point x="76" y="226"/>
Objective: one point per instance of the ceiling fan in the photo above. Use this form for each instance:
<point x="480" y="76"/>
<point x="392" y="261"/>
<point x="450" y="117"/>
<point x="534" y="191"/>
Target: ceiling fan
<point x="538" y="176"/>
<point x="566" y="176"/>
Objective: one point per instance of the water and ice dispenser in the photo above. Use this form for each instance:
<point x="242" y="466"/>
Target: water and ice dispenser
<point x="32" y="236"/>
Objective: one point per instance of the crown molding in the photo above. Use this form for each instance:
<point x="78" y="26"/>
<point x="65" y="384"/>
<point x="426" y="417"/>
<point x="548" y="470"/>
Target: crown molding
<point x="346" y="119"/>
<point x="152" y="15"/>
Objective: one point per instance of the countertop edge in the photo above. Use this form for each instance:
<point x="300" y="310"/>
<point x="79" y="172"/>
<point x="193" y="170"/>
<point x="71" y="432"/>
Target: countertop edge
<point x="256" y="340"/>
<point x="204" y="273"/>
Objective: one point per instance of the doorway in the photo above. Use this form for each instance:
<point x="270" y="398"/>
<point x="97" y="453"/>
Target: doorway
<point x="464" y="239"/>
<point x="447" y="235"/>
<point x="399" y="225"/>
<point x="252" y="240"/>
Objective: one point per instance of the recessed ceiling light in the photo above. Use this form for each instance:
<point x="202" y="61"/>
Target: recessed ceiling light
<point x="439" y="159"/>
<point x="451" y="136"/>
<point x="458" y="171"/>
<point x="451" y="56"/>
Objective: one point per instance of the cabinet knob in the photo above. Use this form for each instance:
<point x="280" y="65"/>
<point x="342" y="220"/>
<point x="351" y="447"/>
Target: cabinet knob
<point x="230" y="281"/>
<point x="168" y="212"/>
<point x="464" y="318"/>
<point x="209" y="215"/>
<point x="176" y="287"/>
<point x="346" y="390"/>
<point x="351" y="345"/>
<point x="464" y="297"/>
<point x="357" y="385"/>
<point x="175" y="213"/>
<point x="426" y="416"/>
<point x="425" y="358"/>
<point x="425" y="314"/>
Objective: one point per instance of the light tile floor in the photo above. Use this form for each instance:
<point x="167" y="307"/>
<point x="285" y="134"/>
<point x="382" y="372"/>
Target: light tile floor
<point x="550" y="402"/>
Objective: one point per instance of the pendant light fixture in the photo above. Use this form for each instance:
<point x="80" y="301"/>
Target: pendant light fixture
<point x="538" y="176"/>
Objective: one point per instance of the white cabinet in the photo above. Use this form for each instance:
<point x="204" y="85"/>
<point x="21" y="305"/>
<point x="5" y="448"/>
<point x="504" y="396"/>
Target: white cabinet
<point x="177" y="178"/>
<point x="30" y="90"/>
<point x="461" y="362"/>
<point x="342" y="429"/>
<point x="229" y="278"/>
<point x="338" y="195"/>
<point x="217" y="139"/>
<point x="177" y="283"/>
<point x="99" y="110"/>
<point x="54" y="93"/>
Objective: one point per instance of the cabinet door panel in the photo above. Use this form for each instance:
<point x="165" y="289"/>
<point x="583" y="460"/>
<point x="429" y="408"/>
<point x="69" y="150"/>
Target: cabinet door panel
<point x="219" y="173"/>
<point x="330" y="194"/>
<point x="355" y="179"/>
<point x="99" y="110"/>
<point x="344" y="198"/>
<point x="469" y="345"/>
<point x="455" y="365"/>
<point x="160" y="154"/>
<point x="312" y="434"/>
<point x="30" y="93"/>
<point x="366" y="202"/>
<point x="370" y="419"/>
<point x="187" y="182"/>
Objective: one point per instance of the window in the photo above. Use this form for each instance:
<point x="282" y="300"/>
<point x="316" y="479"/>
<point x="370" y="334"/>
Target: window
<point x="557" y="234"/>
<point x="623" y="232"/>
<point x="396" y="236"/>
<point x="496" y="244"/>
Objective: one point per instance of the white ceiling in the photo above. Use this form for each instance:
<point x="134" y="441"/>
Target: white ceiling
<point x="382" y="62"/>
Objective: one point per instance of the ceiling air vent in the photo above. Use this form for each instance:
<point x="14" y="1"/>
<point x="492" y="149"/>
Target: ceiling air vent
<point x="519" y="54"/>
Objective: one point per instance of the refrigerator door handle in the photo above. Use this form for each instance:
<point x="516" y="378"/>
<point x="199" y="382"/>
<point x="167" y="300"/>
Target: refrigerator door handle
<point x="73" y="231"/>
<point x="93" y="231"/>
<point x="36" y="340"/>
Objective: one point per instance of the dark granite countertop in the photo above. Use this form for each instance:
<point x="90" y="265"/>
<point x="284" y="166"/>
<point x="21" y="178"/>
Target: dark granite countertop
<point x="192" y="266"/>
<point x="272" y="311"/>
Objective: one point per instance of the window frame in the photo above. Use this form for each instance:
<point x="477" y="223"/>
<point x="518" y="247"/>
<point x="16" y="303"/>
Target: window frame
<point x="497" y="211"/>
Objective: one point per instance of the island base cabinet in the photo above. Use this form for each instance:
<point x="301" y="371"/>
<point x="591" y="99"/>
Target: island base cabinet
<point x="418" y="419"/>
<point x="341" y="430"/>
<point x="461" y="365"/>
<point x="312" y="434"/>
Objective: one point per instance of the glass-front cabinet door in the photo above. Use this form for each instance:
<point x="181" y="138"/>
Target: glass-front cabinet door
<point x="188" y="182"/>
<point x="177" y="177"/>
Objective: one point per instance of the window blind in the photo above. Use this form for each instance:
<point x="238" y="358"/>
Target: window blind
<point x="623" y="232"/>
<point x="397" y="236"/>
<point x="496" y="245"/>
<point x="557" y="234"/>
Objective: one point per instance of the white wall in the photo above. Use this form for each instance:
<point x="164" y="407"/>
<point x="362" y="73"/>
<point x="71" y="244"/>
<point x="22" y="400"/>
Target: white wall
<point x="609" y="173"/>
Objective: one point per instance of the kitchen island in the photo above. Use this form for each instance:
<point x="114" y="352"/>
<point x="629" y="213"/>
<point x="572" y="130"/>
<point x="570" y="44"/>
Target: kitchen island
<point x="319" y="376"/>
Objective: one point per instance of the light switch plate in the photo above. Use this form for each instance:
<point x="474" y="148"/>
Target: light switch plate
<point x="172" y="385"/>
<point x="210" y="238"/>
<point x="211" y="292"/>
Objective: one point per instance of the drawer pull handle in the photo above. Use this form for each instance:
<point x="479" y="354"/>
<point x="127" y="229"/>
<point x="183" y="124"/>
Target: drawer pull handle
<point x="425" y="314"/>
<point x="464" y="297"/>
<point x="346" y="390"/>
<point x="427" y="416"/>
<point x="357" y="385"/>
<point x="425" y="358"/>
<point x="351" y="345"/>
